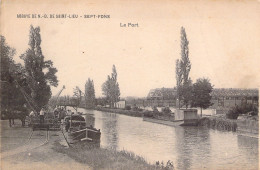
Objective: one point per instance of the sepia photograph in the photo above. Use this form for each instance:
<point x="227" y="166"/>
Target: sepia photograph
<point x="129" y="85"/>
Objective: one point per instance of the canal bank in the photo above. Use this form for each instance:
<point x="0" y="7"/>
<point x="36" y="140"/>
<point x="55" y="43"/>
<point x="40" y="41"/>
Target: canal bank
<point x="101" y="158"/>
<point x="218" y="123"/>
<point x="121" y="111"/>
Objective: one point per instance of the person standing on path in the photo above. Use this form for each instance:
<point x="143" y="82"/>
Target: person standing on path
<point x="42" y="116"/>
<point x="11" y="118"/>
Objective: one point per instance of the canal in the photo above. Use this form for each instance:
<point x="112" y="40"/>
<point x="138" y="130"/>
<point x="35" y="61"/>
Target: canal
<point x="187" y="147"/>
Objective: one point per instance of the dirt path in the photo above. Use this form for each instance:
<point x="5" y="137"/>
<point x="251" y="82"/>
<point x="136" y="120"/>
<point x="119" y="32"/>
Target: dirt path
<point x="17" y="152"/>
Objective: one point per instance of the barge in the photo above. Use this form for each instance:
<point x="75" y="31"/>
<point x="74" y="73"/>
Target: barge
<point x="77" y="130"/>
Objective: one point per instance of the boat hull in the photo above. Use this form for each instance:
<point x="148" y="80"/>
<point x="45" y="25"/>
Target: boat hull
<point x="88" y="134"/>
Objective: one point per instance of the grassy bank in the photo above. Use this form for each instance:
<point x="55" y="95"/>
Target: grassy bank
<point x="218" y="123"/>
<point x="121" y="111"/>
<point x="100" y="158"/>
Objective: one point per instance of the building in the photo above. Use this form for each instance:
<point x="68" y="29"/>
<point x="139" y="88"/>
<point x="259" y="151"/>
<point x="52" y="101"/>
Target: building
<point x="120" y="104"/>
<point x="221" y="97"/>
<point x="230" y="97"/>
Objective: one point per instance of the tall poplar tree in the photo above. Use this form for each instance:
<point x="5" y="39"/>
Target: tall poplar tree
<point x="111" y="88"/>
<point x="90" y="93"/>
<point x="183" y="66"/>
<point x="179" y="79"/>
<point x="40" y="73"/>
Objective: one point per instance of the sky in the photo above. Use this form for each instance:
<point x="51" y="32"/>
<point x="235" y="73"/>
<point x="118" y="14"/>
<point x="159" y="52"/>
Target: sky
<point x="224" y="38"/>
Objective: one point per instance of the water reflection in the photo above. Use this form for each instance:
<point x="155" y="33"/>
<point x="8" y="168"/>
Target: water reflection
<point x="184" y="152"/>
<point x="187" y="147"/>
<point x="248" y="149"/>
<point x="90" y="120"/>
<point x="109" y="130"/>
<point x="189" y="143"/>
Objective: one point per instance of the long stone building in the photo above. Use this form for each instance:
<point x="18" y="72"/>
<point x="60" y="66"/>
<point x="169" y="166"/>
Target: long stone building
<point x="221" y="97"/>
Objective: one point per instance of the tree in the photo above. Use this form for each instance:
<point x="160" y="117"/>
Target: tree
<point x="111" y="88"/>
<point x="6" y="87"/>
<point x="77" y="97"/>
<point x="40" y="73"/>
<point x="90" y="93"/>
<point x="179" y="79"/>
<point x="186" y="93"/>
<point x="183" y="66"/>
<point x="12" y="100"/>
<point x="101" y="101"/>
<point x="6" y="57"/>
<point x="201" y="94"/>
<point x="185" y="61"/>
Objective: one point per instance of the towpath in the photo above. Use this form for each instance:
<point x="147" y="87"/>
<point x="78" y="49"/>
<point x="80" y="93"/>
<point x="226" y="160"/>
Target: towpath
<point x="21" y="149"/>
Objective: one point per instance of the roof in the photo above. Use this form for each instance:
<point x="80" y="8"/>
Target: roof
<point x="234" y="92"/>
<point x="170" y="93"/>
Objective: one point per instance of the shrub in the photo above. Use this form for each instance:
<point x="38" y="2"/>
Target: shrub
<point x="243" y="109"/>
<point x="127" y="107"/>
<point x="166" y="110"/>
<point x="155" y="110"/>
<point x="233" y="113"/>
<point x="135" y="108"/>
<point x="148" y="114"/>
<point x="218" y="123"/>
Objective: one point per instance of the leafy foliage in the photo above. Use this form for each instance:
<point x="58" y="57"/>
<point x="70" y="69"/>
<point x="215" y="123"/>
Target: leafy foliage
<point x="111" y="88"/>
<point x="186" y="92"/>
<point x="77" y="96"/>
<point x="12" y="99"/>
<point x="101" y="101"/>
<point x="166" y="110"/>
<point x="90" y="93"/>
<point x="127" y="107"/>
<point x="183" y="66"/>
<point x="155" y="110"/>
<point x="179" y="77"/>
<point x="135" y="108"/>
<point x="242" y="109"/>
<point x="185" y="61"/>
<point x="201" y="93"/>
<point x="40" y="74"/>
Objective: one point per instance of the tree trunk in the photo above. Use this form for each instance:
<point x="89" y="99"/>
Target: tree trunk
<point x="201" y="112"/>
<point x="179" y="102"/>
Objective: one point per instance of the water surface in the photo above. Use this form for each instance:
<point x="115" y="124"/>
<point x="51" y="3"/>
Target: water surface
<point x="187" y="147"/>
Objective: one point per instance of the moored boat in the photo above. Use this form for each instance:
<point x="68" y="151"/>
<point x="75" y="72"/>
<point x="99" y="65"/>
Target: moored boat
<point x="77" y="130"/>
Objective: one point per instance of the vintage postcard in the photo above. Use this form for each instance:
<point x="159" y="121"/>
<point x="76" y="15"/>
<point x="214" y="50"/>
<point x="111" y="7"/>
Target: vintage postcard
<point x="148" y="84"/>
